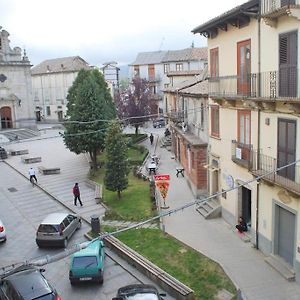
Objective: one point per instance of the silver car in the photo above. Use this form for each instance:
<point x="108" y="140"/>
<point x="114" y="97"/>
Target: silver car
<point x="56" y="229"/>
<point x="2" y="232"/>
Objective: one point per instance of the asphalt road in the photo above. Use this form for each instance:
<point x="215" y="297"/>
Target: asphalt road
<point x="22" y="208"/>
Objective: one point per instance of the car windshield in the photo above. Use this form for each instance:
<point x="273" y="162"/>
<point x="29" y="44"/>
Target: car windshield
<point x="142" y="296"/>
<point x="85" y="262"/>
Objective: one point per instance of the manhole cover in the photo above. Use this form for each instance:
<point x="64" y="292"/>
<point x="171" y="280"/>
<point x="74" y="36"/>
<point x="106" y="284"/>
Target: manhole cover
<point x="12" y="189"/>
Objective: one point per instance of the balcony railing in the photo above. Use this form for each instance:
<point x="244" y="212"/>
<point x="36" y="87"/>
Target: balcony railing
<point x="281" y="84"/>
<point x="275" y="6"/>
<point x="289" y="177"/>
<point x="176" y="116"/>
<point x="241" y="154"/>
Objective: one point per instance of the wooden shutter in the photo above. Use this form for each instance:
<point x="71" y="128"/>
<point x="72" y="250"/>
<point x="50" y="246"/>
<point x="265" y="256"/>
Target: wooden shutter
<point x="214" y="63"/>
<point x="288" y="64"/>
<point x="215" y="126"/>
<point x="151" y="72"/>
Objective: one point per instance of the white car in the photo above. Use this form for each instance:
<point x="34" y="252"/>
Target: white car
<point x="2" y="232"/>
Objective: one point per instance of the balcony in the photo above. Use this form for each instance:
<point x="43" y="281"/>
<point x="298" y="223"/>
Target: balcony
<point x="176" y="116"/>
<point x="241" y="154"/>
<point x="276" y="8"/>
<point x="273" y="85"/>
<point x="288" y="178"/>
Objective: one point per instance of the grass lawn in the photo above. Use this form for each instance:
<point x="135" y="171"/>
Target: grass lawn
<point x="135" y="204"/>
<point x="190" y="267"/>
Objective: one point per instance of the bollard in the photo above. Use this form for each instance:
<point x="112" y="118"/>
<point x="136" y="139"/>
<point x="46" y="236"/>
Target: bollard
<point x="95" y="224"/>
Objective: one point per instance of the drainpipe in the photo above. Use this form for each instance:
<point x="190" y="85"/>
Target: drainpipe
<point x="258" y="124"/>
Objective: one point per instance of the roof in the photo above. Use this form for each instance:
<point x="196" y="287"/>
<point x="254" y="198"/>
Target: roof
<point x="146" y="58"/>
<point x="184" y="73"/>
<point x="200" y="88"/>
<point x="54" y="219"/>
<point x="91" y="249"/>
<point x="188" y="54"/>
<point x="59" y="65"/>
<point x="234" y="17"/>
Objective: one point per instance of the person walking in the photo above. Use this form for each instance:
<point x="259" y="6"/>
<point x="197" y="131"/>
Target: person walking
<point x="151" y="138"/>
<point x="76" y="193"/>
<point x="32" y="175"/>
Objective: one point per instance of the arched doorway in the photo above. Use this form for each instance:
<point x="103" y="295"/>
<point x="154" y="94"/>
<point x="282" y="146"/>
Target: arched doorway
<point x="6" y="119"/>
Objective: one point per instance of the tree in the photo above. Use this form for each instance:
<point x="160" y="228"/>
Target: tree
<point x="136" y="104"/>
<point x="90" y="107"/>
<point x="117" y="166"/>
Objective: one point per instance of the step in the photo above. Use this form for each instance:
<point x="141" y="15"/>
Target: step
<point x="281" y="267"/>
<point x="202" y="211"/>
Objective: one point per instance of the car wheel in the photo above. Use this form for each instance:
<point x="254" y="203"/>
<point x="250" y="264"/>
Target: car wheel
<point x="100" y="280"/>
<point x="65" y="243"/>
<point x="72" y="282"/>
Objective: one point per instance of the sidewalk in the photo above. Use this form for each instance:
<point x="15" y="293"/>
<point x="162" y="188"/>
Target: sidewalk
<point x="215" y="238"/>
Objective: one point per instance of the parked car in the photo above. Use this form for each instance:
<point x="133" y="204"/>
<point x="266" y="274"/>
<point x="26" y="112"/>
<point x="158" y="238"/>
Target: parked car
<point x="26" y="283"/>
<point x="56" y="229"/>
<point x="139" y="292"/>
<point x="2" y="232"/>
<point x="88" y="264"/>
<point x="160" y="122"/>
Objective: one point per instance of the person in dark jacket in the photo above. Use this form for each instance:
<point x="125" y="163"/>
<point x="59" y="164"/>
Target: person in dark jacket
<point x="76" y="193"/>
<point x="151" y="137"/>
<point x="242" y="226"/>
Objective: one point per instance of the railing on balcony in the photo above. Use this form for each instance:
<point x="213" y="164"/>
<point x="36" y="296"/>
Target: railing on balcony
<point x="271" y="6"/>
<point x="176" y="116"/>
<point x="282" y="84"/>
<point x="241" y="154"/>
<point x="288" y="178"/>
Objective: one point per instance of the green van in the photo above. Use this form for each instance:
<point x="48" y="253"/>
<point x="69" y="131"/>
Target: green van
<point x="87" y="264"/>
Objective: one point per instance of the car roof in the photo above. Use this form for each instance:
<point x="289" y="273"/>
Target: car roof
<point x="29" y="283"/>
<point x="136" y="288"/>
<point x="91" y="249"/>
<point x="54" y="219"/>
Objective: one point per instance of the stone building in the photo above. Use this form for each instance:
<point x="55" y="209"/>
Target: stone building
<point x="51" y="80"/>
<point x="16" y="104"/>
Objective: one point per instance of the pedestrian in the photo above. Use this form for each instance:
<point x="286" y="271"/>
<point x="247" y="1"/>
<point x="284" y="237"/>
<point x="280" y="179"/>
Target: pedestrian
<point x="76" y="193"/>
<point x="242" y="226"/>
<point x="32" y="175"/>
<point x="151" y="138"/>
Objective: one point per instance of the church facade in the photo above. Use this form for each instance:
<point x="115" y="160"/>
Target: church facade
<point x="16" y="101"/>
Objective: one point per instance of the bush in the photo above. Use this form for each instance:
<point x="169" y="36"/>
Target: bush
<point x="136" y="138"/>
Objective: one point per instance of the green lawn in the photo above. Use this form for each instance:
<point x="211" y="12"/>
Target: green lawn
<point x="190" y="267"/>
<point x="135" y="204"/>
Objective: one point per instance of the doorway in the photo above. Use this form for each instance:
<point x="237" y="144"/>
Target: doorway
<point x="38" y="115"/>
<point x="284" y="237"/>
<point x="6" y="118"/>
<point x="244" y="206"/>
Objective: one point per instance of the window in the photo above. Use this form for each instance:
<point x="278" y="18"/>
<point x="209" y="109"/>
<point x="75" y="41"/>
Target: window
<point x="214" y="62"/>
<point x="48" y="111"/>
<point x="136" y="71"/>
<point x="215" y="122"/>
<point x="179" y="67"/>
<point x="166" y="68"/>
<point x="244" y="126"/>
<point x="202" y="116"/>
<point x="193" y="160"/>
<point x="151" y="72"/>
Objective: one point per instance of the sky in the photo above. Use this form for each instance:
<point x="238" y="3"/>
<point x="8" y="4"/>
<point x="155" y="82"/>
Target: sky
<point x="103" y="31"/>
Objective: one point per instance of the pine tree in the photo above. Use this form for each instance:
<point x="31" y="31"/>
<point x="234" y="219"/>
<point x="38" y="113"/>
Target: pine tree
<point x="89" y="100"/>
<point x="117" y="166"/>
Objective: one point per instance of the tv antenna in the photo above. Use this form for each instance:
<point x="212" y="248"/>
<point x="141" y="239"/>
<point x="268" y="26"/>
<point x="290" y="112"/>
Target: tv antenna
<point x="161" y="43"/>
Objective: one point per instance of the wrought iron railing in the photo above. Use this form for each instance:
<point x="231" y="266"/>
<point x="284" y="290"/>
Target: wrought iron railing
<point x="266" y="166"/>
<point x="176" y="116"/>
<point x="268" y="85"/>
<point x="271" y="6"/>
<point x="241" y="154"/>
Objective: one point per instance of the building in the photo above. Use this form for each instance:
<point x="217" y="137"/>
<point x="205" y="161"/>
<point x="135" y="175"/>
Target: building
<point x="51" y="81"/>
<point x="254" y="119"/>
<point x="16" y="105"/>
<point x="111" y="75"/>
<point x="155" y="67"/>
<point x="187" y="112"/>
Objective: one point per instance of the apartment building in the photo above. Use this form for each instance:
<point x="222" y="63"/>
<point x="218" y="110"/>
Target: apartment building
<point x="254" y="139"/>
<point x="51" y="80"/>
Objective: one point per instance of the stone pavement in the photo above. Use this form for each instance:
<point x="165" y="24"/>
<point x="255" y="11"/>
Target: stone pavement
<point x="216" y="239"/>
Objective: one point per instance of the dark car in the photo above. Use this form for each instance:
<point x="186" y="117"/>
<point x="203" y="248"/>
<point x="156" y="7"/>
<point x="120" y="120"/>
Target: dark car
<point x="139" y="292"/>
<point x="26" y="283"/>
<point x="160" y="122"/>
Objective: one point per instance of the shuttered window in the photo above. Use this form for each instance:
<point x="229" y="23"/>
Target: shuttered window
<point x="215" y="121"/>
<point x="214" y="62"/>
<point x="151" y="72"/>
<point x="288" y="64"/>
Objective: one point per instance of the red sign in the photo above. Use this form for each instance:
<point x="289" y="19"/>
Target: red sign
<point x="162" y="182"/>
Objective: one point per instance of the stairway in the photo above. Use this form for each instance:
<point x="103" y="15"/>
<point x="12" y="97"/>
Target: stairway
<point x="281" y="267"/>
<point x="19" y="134"/>
<point x="210" y="208"/>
